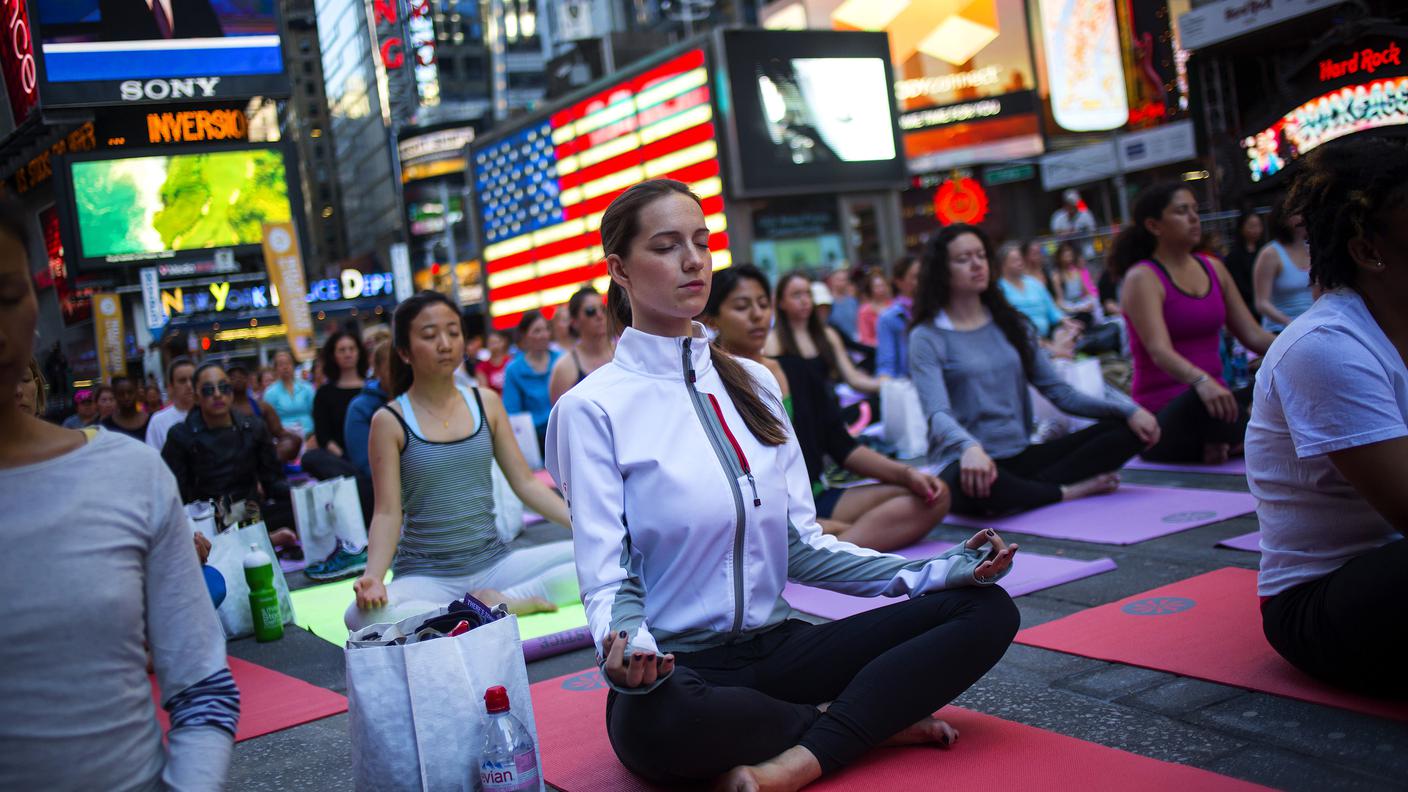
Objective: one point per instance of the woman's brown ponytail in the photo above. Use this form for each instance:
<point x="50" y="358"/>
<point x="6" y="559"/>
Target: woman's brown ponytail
<point x="619" y="226"/>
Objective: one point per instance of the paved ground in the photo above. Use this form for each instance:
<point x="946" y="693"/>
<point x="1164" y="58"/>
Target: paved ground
<point x="1266" y="739"/>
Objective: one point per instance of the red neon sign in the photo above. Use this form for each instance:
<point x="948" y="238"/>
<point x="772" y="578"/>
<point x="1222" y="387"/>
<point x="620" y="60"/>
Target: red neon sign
<point x="961" y="201"/>
<point x="17" y="58"/>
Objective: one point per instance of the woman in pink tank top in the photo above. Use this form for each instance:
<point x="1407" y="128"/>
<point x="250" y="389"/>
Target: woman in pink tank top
<point x="1176" y="303"/>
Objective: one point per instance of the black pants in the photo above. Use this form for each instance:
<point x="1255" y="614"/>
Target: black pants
<point x="1034" y="477"/>
<point x="1187" y="428"/>
<point x="1350" y="627"/>
<point x="322" y="465"/>
<point x="745" y="703"/>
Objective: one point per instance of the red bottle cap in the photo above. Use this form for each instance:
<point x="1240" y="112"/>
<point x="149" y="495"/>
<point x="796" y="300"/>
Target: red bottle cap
<point x="496" y="699"/>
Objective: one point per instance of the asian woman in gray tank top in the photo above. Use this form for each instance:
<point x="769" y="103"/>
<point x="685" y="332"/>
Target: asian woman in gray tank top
<point x="432" y="451"/>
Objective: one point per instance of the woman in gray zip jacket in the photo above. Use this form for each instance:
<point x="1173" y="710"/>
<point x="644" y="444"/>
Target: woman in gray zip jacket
<point x="691" y="509"/>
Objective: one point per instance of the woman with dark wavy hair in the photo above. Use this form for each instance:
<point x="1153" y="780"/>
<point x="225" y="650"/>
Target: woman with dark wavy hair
<point x="1327" y="446"/>
<point x="972" y="356"/>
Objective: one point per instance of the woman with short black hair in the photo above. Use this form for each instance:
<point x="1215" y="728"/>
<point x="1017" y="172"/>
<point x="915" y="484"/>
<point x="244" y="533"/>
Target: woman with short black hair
<point x="1327" y="446"/>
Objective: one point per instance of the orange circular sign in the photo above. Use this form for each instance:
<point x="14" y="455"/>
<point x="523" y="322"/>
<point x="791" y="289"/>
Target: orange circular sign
<point x="961" y="201"/>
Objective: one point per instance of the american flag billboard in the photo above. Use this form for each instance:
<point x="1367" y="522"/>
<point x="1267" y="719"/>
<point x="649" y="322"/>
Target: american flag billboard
<point x="543" y="187"/>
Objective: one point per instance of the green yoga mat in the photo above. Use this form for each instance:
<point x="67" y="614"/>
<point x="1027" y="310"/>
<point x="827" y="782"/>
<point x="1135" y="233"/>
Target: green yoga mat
<point x="319" y="610"/>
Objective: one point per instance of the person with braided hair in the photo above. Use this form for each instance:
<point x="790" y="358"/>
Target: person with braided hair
<point x="1327" y="446"/>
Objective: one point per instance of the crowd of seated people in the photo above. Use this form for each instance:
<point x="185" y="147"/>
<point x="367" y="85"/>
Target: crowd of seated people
<point x="680" y="368"/>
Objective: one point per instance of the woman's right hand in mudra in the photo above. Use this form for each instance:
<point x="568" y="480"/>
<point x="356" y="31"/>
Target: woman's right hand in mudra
<point x="976" y="472"/>
<point x="637" y="670"/>
<point x="371" y="593"/>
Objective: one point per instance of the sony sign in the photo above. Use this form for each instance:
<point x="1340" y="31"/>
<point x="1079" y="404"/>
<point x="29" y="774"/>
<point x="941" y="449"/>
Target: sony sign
<point x="161" y="90"/>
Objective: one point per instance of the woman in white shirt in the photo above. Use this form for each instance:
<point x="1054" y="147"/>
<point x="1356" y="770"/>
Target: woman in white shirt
<point x="691" y="509"/>
<point x="1327" y="446"/>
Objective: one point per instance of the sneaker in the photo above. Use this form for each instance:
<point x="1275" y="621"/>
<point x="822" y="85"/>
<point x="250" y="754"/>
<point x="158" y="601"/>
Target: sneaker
<point x="341" y="564"/>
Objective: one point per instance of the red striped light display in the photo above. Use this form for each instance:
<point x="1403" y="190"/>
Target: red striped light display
<point x="543" y="188"/>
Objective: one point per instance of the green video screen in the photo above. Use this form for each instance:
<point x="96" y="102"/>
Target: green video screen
<point x="146" y="207"/>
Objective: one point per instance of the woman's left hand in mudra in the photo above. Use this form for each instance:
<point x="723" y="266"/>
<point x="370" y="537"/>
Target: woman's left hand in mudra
<point x="1146" y="427"/>
<point x="998" y="561"/>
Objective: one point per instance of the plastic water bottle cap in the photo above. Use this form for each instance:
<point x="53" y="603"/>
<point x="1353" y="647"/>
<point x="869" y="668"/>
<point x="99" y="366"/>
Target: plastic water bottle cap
<point x="256" y="557"/>
<point x="496" y="699"/>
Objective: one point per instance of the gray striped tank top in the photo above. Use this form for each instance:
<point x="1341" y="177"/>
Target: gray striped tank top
<point x="447" y="497"/>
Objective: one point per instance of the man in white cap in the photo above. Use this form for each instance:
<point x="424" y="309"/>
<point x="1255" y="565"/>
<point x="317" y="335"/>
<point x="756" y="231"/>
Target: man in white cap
<point x="1074" y="219"/>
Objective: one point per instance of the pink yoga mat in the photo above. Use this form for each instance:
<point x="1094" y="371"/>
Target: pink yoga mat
<point x="1207" y="627"/>
<point x="1133" y="513"/>
<point x="1030" y="572"/>
<point x="1250" y="542"/>
<point x="270" y="701"/>
<point x="1237" y="466"/>
<point x="991" y="754"/>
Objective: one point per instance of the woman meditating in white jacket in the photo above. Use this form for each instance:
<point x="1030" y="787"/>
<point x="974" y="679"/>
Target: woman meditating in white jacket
<point x="691" y="509"/>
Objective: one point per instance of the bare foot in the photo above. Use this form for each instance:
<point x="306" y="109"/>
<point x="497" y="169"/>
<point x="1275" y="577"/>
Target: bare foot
<point x="283" y="537"/>
<point x="1215" y="453"/>
<point x="1097" y="485"/>
<point x="787" y="772"/>
<point x="929" y="730"/>
<point x="518" y="607"/>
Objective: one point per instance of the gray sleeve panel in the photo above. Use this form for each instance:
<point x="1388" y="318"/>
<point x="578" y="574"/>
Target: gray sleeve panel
<point x="806" y="563"/>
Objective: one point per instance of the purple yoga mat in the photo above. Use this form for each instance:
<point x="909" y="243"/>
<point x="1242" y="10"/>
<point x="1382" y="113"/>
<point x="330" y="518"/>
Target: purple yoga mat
<point x="1131" y="514"/>
<point x="556" y="644"/>
<point x="1030" y="572"/>
<point x="1232" y="467"/>
<point x="289" y="565"/>
<point x="1250" y="542"/>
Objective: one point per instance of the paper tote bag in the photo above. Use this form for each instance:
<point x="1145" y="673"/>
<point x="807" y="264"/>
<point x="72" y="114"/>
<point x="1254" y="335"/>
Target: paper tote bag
<point x="325" y="512"/>
<point x="417" y="711"/>
<point x="903" y="417"/>
<point x="227" y="552"/>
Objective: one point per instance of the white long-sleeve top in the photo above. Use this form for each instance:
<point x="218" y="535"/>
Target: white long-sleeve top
<point x="685" y="526"/>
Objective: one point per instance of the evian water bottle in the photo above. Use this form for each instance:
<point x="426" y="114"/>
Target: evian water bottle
<point x="510" y="760"/>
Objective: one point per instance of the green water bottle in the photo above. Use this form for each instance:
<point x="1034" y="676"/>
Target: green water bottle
<point x="263" y="598"/>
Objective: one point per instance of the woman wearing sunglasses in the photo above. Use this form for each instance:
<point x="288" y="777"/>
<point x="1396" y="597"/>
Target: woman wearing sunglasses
<point x="219" y="454"/>
<point x="594" y="347"/>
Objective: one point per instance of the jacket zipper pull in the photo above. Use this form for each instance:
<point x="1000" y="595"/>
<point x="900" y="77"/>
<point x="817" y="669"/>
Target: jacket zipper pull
<point x="756" y="500"/>
<point x="688" y="362"/>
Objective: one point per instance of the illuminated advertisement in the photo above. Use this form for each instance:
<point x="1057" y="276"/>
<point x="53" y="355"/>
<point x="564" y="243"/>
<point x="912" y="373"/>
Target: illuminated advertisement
<point x="95" y="52"/>
<point x="964" y="77"/>
<point x="351" y="284"/>
<point x="430" y="154"/>
<point x="543" y="186"/>
<point x="811" y="111"/>
<point x="1343" y="111"/>
<point x="1084" y="65"/>
<point x="17" y="60"/>
<point x="136" y="208"/>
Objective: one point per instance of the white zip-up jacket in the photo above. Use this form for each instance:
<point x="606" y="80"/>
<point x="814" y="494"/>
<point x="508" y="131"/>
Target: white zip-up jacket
<point x="685" y="526"/>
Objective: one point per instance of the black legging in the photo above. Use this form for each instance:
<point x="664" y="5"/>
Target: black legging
<point x="1034" y="477"/>
<point x="1187" y="427"/>
<point x="1348" y="628"/>
<point x="745" y="703"/>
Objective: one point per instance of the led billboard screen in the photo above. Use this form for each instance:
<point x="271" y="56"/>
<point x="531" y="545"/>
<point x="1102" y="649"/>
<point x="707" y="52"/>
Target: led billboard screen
<point x="811" y="111"/>
<point x="542" y="186"/>
<point x="137" y="208"/>
<point x="96" y="52"/>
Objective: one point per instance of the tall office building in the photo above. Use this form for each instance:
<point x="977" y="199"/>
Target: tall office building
<point x="306" y="122"/>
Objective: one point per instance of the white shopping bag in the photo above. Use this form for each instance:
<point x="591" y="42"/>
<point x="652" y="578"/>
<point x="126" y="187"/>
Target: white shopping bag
<point x="325" y="511"/>
<point x="227" y="552"/>
<point x="905" y="427"/>
<point x="1083" y="375"/>
<point x="527" y="436"/>
<point x="417" y="711"/>
<point x="508" y="509"/>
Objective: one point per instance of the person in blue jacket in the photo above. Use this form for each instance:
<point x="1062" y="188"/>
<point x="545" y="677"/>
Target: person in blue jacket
<point x="357" y="428"/>
<point x="526" y="378"/>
